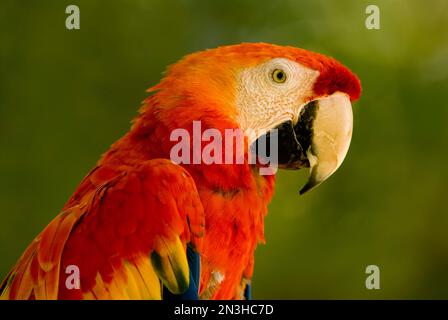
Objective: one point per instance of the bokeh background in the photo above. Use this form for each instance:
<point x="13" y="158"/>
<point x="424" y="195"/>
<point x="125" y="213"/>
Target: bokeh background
<point x="65" y="96"/>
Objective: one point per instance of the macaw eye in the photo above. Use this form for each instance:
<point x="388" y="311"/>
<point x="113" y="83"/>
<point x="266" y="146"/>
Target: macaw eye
<point x="279" y="76"/>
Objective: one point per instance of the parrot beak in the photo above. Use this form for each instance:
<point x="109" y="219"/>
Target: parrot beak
<point x="331" y="126"/>
<point x="319" y="139"/>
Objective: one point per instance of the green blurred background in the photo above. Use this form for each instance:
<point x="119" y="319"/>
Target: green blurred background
<point x="65" y="96"/>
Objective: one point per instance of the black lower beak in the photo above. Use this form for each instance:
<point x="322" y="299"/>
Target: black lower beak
<point x="293" y="140"/>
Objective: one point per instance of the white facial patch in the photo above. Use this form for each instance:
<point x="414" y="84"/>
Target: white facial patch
<point x="263" y="103"/>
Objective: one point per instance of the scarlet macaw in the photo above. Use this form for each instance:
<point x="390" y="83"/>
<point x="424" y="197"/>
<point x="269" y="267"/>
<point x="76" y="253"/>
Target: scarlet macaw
<point x="142" y="227"/>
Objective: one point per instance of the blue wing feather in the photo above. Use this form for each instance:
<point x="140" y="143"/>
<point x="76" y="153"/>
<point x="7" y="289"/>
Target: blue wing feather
<point x="192" y="293"/>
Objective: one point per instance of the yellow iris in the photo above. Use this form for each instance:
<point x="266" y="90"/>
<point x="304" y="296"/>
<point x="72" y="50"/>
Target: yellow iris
<point x="279" y="76"/>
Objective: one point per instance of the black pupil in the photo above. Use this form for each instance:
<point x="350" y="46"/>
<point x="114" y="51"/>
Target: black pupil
<point x="280" y="75"/>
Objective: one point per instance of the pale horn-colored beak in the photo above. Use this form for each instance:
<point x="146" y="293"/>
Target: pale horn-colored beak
<point x="331" y="135"/>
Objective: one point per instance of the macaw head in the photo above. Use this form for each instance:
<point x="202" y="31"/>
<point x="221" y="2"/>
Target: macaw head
<point x="306" y="97"/>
